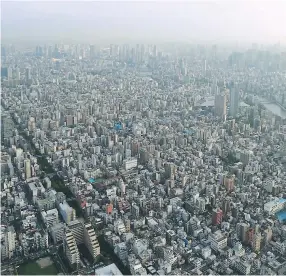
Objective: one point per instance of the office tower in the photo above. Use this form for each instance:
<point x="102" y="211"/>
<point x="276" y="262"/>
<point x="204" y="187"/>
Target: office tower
<point x="50" y="52"/>
<point x="17" y="74"/>
<point x="10" y="73"/>
<point x="135" y="211"/>
<point x="220" y="106"/>
<point x="205" y="66"/>
<point x="90" y="241"/>
<point x="85" y="234"/>
<point x="8" y="244"/>
<point x="218" y="240"/>
<point x="27" y="166"/>
<point x="234" y="101"/>
<point x="31" y="124"/>
<point x="70" y="249"/>
<point x="256" y="242"/>
<point x="91" y="51"/>
<point x="228" y="182"/>
<point x="154" y="51"/>
<point x="67" y="212"/>
<point x="170" y="237"/>
<point x="76" y="227"/>
<point x="217" y="216"/>
<point x="226" y="205"/>
<point x="170" y="170"/>
<point x="28" y="74"/>
<point x="242" y="232"/>
<point x="57" y="232"/>
<point x="142" y="53"/>
<point x="111" y="50"/>
<point x="7" y="127"/>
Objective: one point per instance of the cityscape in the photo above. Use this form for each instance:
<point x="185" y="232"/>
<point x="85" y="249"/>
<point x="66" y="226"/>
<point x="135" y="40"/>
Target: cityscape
<point x="143" y="158"/>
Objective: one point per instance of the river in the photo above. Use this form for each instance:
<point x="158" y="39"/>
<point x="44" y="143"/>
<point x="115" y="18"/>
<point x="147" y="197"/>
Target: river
<point x="274" y="108"/>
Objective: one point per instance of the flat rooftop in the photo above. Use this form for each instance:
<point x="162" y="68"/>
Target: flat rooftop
<point x="111" y="269"/>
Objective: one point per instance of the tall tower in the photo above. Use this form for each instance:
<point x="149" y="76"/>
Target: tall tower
<point x="91" y="51"/>
<point x="10" y="73"/>
<point x="234" y="101"/>
<point x="220" y="106"/>
<point x="28" y="74"/>
<point x="8" y="246"/>
<point x="27" y="165"/>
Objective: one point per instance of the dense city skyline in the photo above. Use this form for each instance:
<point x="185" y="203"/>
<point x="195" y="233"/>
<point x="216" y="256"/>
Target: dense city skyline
<point x="125" y="155"/>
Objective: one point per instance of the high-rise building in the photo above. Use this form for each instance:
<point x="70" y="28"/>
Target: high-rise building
<point x="234" y="101"/>
<point x="217" y="216"/>
<point x="57" y="232"/>
<point x="226" y="205"/>
<point x="17" y="74"/>
<point x="256" y="243"/>
<point x="28" y="74"/>
<point x="85" y="234"/>
<point x="7" y="127"/>
<point x="31" y="124"/>
<point x="218" y="240"/>
<point x="10" y="73"/>
<point x="220" y="106"/>
<point x="90" y="240"/>
<point x="67" y="212"/>
<point x="8" y="237"/>
<point x="70" y="249"/>
<point x="76" y="227"/>
<point x="242" y="232"/>
<point x="27" y="166"/>
<point x="91" y="51"/>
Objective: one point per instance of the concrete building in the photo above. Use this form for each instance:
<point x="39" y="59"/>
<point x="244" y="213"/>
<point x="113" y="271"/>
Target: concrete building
<point x="8" y="242"/>
<point x="218" y="240"/>
<point x="67" y="212"/>
<point x="57" y="232"/>
<point x="90" y="240"/>
<point x="111" y="269"/>
<point x="234" y="101"/>
<point x="70" y="249"/>
<point x="220" y="106"/>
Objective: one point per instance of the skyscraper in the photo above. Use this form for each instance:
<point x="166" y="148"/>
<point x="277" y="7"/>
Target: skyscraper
<point x="217" y="216"/>
<point x="8" y="242"/>
<point x="91" y="51"/>
<point x="10" y="73"/>
<point x="234" y="101"/>
<point x="28" y="74"/>
<point x="220" y="106"/>
<point x="17" y="74"/>
<point x="27" y="165"/>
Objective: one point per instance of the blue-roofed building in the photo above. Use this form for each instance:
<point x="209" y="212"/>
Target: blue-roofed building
<point x="275" y="206"/>
<point x="281" y="216"/>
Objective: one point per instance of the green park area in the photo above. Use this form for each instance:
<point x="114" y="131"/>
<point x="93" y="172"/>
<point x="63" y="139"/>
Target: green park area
<point x="35" y="268"/>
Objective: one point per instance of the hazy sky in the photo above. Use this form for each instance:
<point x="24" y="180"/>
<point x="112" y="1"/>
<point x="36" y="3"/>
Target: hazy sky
<point x="86" y="21"/>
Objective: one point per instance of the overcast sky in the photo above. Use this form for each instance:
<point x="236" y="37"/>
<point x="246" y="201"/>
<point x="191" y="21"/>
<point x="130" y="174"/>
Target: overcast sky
<point x="208" y="21"/>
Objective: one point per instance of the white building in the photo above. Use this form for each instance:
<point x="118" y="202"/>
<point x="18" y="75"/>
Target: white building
<point x="8" y="242"/>
<point x="243" y="267"/>
<point x="90" y="240"/>
<point x="218" y="240"/>
<point x="70" y="249"/>
<point x="57" y="232"/>
<point x="50" y="217"/>
<point x="111" y="270"/>
<point x="274" y="206"/>
<point x="67" y="212"/>
<point x="130" y="164"/>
